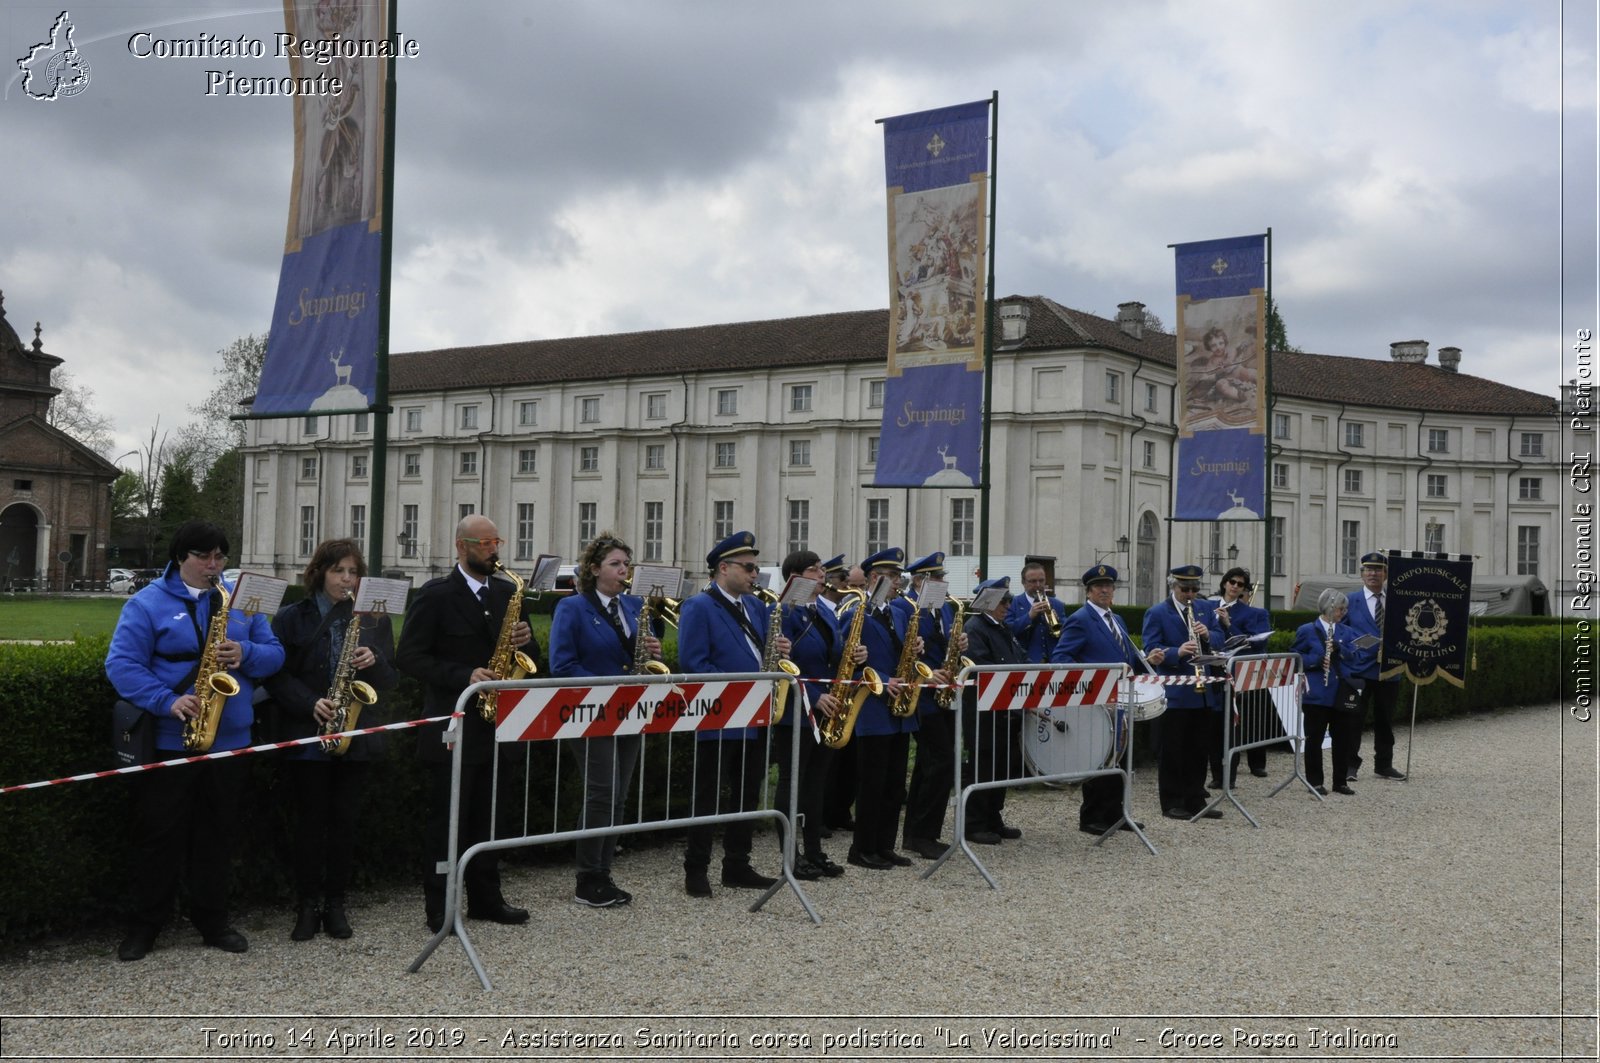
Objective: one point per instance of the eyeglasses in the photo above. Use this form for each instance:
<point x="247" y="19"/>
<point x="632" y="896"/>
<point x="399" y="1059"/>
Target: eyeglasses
<point x="749" y="566"/>
<point x="482" y="542"/>
<point x="1186" y="589"/>
<point x="215" y="555"/>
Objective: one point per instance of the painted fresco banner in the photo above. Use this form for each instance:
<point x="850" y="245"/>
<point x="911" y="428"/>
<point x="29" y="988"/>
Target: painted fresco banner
<point x="322" y="350"/>
<point x="1426" y="618"/>
<point x="1222" y="379"/>
<point x="937" y="165"/>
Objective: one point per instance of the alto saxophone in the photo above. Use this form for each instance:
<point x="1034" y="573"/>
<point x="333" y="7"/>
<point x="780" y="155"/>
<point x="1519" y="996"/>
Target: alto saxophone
<point x="836" y="730"/>
<point x="508" y="662"/>
<point x="773" y="661"/>
<point x="346" y="692"/>
<point x="643" y="663"/>
<point x="213" y="684"/>
<point x="954" y="661"/>
<point x="911" y="672"/>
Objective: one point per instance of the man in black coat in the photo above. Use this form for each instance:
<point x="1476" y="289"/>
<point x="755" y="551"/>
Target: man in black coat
<point x="451" y="629"/>
<point x="991" y="640"/>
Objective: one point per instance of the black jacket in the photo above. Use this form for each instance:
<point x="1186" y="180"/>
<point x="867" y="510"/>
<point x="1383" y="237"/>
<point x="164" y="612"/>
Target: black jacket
<point x="307" y="673"/>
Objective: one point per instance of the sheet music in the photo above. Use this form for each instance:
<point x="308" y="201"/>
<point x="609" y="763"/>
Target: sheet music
<point x="800" y="590"/>
<point x="383" y="596"/>
<point x="545" y="569"/>
<point x="656" y="581"/>
<point x="933" y="594"/>
<point x="1366" y="642"/>
<point x="882" y="587"/>
<point x="988" y="599"/>
<point x="255" y="593"/>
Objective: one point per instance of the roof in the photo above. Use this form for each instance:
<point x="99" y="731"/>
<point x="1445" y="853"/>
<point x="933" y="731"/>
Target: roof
<point x="861" y="336"/>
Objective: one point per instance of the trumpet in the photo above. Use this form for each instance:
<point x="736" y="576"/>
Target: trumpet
<point x="1052" y="619"/>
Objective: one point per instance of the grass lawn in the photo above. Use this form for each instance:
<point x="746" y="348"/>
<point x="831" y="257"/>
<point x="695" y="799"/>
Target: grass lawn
<point x="28" y="616"/>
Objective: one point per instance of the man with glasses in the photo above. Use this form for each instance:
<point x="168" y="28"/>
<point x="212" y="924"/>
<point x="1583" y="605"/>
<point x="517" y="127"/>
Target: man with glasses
<point x="1379" y="695"/>
<point x="451" y="629"/>
<point x="1031" y="616"/>
<point x="187" y="813"/>
<point x="1180" y="627"/>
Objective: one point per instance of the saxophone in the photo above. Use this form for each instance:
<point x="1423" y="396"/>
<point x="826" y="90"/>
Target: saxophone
<point x="953" y="659"/>
<point x="508" y="662"/>
<point x="911" y="671"/>
<point x="773" y="661"/>
<point x="347" y="692"/>
<point x="213" y="684"/>
<point x="836" y="730"/>
<point x="643" y="663"/>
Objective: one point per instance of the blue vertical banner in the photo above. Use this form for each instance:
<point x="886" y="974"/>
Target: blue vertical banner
<point x="937" y="165"/>
<point x="1222" y="380"/>
<point x="322" y="351"/>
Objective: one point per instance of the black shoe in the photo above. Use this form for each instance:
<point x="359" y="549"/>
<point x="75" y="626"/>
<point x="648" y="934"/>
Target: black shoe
<point x="1389" y="773"/>
<point x="927" y="848"/>
<point x="895" y="858"/>
<point x="1214" y="784"/>
<point x="1010" y="834"/>
<point x="745" y="877"/>
<point x="306" y="922"/>
<point x="598" y="891"/>
<point x="334" y="921"/>
<point x="695" y="884"/>
<point x="825" y="833"/>
<point x="1260" y="773"/>
<point x="1175" y="813"/>
<point x="1211" y="813"/>
<point x="805" y="870"/>
<point x="228" y="940"/>
<point x="137" y="944"/>
<point x="1094" y="828"/>
<point x="1344" y="790"/>
<point x="983" y="837"/>
<point x="1129" y="826"/>
<point x="499" y="912"/>
<point x="870" y="861"/>
<point x="1323" y="790"/>
<point x="828" y="868"/>
<point x="1355" y="768"/>
<point x="435" y="920"/>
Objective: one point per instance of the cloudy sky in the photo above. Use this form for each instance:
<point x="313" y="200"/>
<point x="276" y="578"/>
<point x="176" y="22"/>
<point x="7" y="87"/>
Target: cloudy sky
<point x="1426" y="167"/>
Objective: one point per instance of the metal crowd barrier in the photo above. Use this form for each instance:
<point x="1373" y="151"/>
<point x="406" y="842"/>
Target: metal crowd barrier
<point x="1075" y="713"/>
<point x="553" y="709"/>
<point x="1263" y="696"/>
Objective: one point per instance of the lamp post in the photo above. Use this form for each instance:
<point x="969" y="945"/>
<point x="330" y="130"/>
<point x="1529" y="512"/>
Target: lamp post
<point x="1214" y="561"/>
<point x="1121" y="548"/>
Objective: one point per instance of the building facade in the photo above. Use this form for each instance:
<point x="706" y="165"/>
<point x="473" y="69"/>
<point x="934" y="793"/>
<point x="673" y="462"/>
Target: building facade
<point x="675" y="438"/>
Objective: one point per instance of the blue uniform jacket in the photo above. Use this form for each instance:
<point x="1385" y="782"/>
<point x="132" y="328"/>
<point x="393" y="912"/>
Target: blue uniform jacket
<point x="1085" y="639"/>
<point x="1033" y="634"/>
<point x="1310" y="643"/>
<point x="710" y="640"/>
<point x="816" y="642"/>
<point x="160" y="623"/>
<point x="1244" y="620"/>
<point x="883" y="656"/>
<point x="1364" y="663"/>
<point x="583" y="642"/>
<point x="934" y="628"/>
<point x="1164" y="630"/>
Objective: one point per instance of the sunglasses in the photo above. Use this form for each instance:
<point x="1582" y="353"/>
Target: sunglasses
<point x="749" y="566"/>
<point x="1235" y="583"/>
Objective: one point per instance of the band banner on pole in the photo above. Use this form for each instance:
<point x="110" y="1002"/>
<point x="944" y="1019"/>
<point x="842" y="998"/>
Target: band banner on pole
<point x="937" y="172"/>
<point x="1222" y="373"/>
<point x="322" y="349"/>
<point x="1426" y="619"/>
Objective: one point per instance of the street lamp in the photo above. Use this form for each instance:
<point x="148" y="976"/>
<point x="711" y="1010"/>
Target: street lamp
<point x="1121" y="548"/>
<point x="1214" y="561"/>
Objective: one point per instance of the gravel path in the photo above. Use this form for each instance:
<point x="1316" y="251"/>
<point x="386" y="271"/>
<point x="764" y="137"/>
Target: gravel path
<point x="1449" y="915"/>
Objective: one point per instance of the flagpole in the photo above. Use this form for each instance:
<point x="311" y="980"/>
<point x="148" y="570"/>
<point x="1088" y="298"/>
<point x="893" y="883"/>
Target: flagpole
<point x="380" y="391"/>
<point x="1266" y="518"/>
<point x="988" y="343"/>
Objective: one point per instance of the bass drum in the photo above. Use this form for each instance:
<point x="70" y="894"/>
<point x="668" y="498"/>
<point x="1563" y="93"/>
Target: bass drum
<point x="1144" y="701"/>
<point x="1074" y="739"/>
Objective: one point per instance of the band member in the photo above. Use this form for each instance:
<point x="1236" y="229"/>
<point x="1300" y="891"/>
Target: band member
<point x="992" y="737"/>
<point x="815" y="641"/>
<point x="324" y="789"/>
<point x="596" y="633"/>
<point x="839" y="790"/>
<point x="451" y="630"/>
<point x="1327" y="647"/>
<point x="724" y="629"/>
<point x="1094" y="634"/>
<point x="187" y="815"/>
<point x="1031" y="616"/>
<point x="882" y="739"/>
<point x="928" y="794"/>
<point x="1377" y="695"/>
<point x="1179" y="626"/>
<point x="1236" y="617"/>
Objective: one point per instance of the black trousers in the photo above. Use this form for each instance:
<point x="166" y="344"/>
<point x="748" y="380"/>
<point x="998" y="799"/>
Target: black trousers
<point x="1346" y="729"/>
<point x="481" y="883"/>
<point x="928" y="795"/>
<point x="1257" y="719"/>
<point x="1187" y="736"/>
<point x="608" y="767"/>
<point x="993" y="743"/>
<point x="815" y="761"/>
<point x="185" y="821"/>
<point x="880" y="790"/>
<point x="325" y="799"/>
<point x="728" y="777"/>
<point x="1378" y="700"/>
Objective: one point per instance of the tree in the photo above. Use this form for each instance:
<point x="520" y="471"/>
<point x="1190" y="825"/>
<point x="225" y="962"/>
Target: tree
<point x="1277" y="336"/>
<point x="147" y="488"/>
<point x="180" y="495"/>
<point x="1152" y="322"/>
<point x="74" y="413"/>
<point x="236" y="379"/>
<point x="221" y="496"/>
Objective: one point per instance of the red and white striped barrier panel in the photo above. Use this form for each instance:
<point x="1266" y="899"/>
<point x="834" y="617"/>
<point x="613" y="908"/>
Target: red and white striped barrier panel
<point x="1181" y="680"/>
<point x="1260" y="675"/>
<point x="1046" y="688"/>
<point x="543" y="713"/>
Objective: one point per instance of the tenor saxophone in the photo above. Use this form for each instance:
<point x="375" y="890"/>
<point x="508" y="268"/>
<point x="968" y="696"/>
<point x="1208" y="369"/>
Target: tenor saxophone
<point x="508" y="662"/>
<point x="911" y="672"/>
<point x="773" y="661"/>
<point x="347" y="692"/>
<point x="212" y="683"/>
<point x="836" y="730"/>
<point x="954" y="661"/>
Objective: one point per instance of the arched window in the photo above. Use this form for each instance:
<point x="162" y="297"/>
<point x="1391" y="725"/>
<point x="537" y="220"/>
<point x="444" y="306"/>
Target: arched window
<point x="1144" y="563"/>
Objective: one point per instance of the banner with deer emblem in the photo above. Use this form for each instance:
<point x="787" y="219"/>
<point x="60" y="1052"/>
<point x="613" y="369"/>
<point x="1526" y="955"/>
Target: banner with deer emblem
<point x="1426" y="618"/>
<point x="322" y="350"/>
<point x="938" y="181"/>
<point x="1222" y="380"/>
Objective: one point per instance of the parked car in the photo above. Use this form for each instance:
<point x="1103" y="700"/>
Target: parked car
<point x="120" y="581"/>
<point x="143" y="576"/>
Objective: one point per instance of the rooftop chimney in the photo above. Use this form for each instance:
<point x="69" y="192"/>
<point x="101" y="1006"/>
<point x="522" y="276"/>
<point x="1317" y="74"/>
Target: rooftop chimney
<point x="1450" y="358"/>
<point x="1014" y="322"/>
<point x="1409" y="351"/>
<point x="1130" y="319"/>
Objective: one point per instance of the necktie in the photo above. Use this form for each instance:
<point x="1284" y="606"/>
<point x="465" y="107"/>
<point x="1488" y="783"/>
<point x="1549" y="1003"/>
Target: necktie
<point x="1377" y="612"/>
<point x="616" y="618"/>
<point x="483" y="596"/>
<point x="1116" y="633"/>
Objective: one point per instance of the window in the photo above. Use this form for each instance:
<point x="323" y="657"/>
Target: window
<point x="524" y="546"/>
<point x="358" y="523"/>
<point x="1438" y="486"/>
<point x="872" y="451"/>
<point x="1149" y="454"/>
<point x="527" y="460"/>
<point x="1280" y="474"/>
<point x="800" y="398"/>
<point x="1530" y="488"/>
<point x="408" y="529"/>
<point x="308" y="468"/>
<point x="800" y="453"/>
<point x="586" y="522"/>
<point x="308" y="530"/>
<point x="1355" y="435"/>
<point x="1438" y="441"/>
<point x="527" y="413"/>
<point x="358" y="466"/>
<point x="1527" y="550"/>
<point x="467" y="416"/>
<point x="961" y="525"/>
<point x="1532" y="447"/>
<point x="877" y="524"/>
<point x="1113" y="387"/>
<point x="1433" y="537"/>
<point x="875" y="396"/>
<point x="655" y="406"/>
<point x="1352" y="481"/>
<point x="414" y="419"/>
<point x="589" y="461"/>
<point x="1214" y="533"/>
<point x="725" y="457"/>
<point x="309" y="425"/>
<point x="469" y="463"/>
<point x="362" y="424"/>
<point x="1150" y="397"/>
<point x="589" y="409"/>
<point x="1349" y="546"/>
<point x="262" y="465"/>
<point x="721" y="520"/>
<point x="1279" y="538"/>
<point x="799" y="524"/>
<point x="655" y="456"/>
<point x="653" y="523"/>
<point x="465" y="510"/>
<point x="1280" y="426"/>
<point x="411" y="465"/>
<point x="727" y="401"/>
